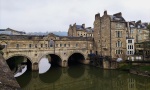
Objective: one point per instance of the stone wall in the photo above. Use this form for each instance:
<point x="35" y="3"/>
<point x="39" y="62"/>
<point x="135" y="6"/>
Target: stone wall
<point x="7" y="80"/>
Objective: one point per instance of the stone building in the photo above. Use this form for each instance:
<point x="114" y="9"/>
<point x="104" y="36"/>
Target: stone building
<point x="138" y="31"/>
<point x="61" y="49"/>
<point x="110" y="35"/>
<point x="9" y="31"/>
<point x="80" y="31"/>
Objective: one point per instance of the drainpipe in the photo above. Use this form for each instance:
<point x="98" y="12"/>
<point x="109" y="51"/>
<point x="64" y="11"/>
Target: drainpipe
<point x="110" y="45"/>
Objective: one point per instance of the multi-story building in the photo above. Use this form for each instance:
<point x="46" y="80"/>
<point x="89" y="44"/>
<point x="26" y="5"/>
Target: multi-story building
<point x="80" y="31"/>
<point x="110" y="35"/>
<point x="138" y="31"/>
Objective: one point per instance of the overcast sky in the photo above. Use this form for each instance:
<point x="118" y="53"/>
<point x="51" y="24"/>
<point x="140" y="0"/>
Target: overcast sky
<point x="57" y="15"/>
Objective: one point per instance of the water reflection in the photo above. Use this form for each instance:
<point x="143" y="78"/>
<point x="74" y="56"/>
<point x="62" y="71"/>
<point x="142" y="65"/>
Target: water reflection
<point x="22" y="71"/>
<point x="25" y="79"/>
<point x="52" y="75"/>
<point x="44" y="65"/>
<point x="78" y="71"/>
<point x="86" y="78"/>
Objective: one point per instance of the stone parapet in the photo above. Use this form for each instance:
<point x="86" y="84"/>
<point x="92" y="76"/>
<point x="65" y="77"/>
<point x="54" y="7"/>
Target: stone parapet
<point x="7" y="80"/>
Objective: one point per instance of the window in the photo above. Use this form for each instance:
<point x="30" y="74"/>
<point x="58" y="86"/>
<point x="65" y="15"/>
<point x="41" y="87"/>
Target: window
<point x="51" y="42"/>
<point x="119" y="52"/>
<point x="60" y="45"/>
<point x="128" y="53"/>
<point x="35" y="54"/>
<point x="68" y="45"/>
<point x="17" y="46"/>
<point x="64" y="45"/>
<point x="118" y="33"/>
<point x="139" y="31"/>
<point x="129" y="41"/>
<point x="119" y="44"/>
<point x="130" y="47"/>
<point x="35" y="45"/>
<point x="30" y="45"/>
<point x="76" y="45"/>
<point x="131" y="31"/>
<point x="41" y="45"/>
<point x="45" y="45"/>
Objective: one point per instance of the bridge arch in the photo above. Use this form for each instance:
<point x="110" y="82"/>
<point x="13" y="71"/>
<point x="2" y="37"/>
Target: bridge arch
<point x="19" y="55"/>
<point x="13" y="64"/>
<point x="74" y="53"/>
<point x="76" y="57"/>
<point x="52" y="56"/>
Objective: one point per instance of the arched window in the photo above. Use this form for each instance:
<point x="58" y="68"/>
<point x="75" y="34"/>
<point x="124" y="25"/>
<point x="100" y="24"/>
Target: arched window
<point x="119" y="44"/>
<point x="51" y="43"/>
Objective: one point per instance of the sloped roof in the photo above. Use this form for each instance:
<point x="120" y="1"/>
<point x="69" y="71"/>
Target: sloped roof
<point x="79" y="27"/>
<point x="89" y="30"/>
<point x="141" y="25"/>
<point x="117" y="17"/>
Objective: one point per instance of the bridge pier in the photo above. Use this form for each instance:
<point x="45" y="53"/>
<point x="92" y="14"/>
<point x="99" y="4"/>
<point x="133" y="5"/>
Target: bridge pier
<point x="64" y="63"/>
<point x="35" y="66"/>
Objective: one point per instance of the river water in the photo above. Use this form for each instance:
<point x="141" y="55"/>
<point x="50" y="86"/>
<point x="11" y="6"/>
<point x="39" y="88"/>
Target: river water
<point x="81" y="77"/>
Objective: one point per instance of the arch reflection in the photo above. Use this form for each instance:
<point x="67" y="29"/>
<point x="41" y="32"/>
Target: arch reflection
<point x="52" y="75"/>
<point x="76" y="71"/>
<point x="24" y="79"/>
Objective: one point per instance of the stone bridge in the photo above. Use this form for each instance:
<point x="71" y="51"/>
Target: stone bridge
<point x="34" y="48"/>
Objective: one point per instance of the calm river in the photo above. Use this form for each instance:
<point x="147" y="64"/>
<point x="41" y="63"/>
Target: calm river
<point x="81" y="77"/>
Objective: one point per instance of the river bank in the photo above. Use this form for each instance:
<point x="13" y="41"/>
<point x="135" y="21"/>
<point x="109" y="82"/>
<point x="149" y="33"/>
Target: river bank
<point x="142" y="69"/>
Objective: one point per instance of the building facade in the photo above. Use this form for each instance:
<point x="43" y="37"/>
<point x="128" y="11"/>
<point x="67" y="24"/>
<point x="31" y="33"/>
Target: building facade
<point x="130" y="46"/>
<point x="110" y="35"/>
<point x="80" y="31"/>
<point x="138" y="31"/>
